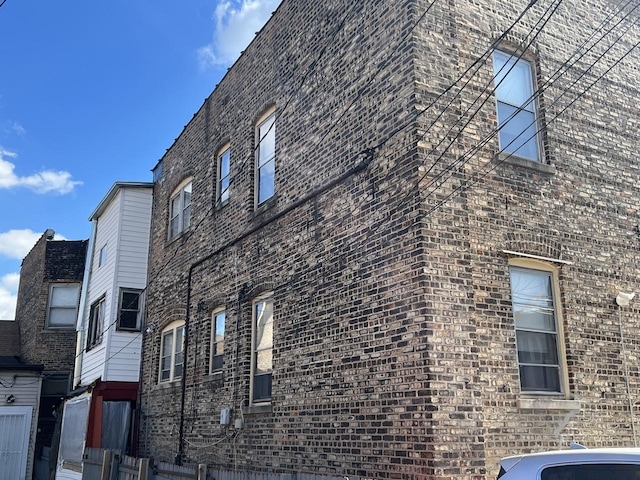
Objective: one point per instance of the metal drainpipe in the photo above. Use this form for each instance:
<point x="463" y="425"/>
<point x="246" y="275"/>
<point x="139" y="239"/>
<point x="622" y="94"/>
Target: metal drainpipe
<point x="627" y="379"/>
<point x="369" y="155"/>
<point x="88" y="268"/>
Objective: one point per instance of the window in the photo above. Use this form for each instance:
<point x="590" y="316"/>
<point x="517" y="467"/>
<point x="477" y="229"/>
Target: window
<point x="63" y="305"/>
<point x="592" y="471"/>
<point x="266" y="158"/>
<point x="130" y="310"/>
<point x="262" y="361"/>
<point x="180" y="210"/>
<point x="171" y="352"/>
<point x="96" y="323"/>
<point x="224" y="159"/>
<point x="217" y="340"/>
<point x="102" y="259"/>
<point x="537" y="324"/>
<point x="516" y="106"/>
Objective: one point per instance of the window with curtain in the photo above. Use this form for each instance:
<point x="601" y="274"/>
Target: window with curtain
<point x="536" y="325"/>
<point x="262" y="362"/>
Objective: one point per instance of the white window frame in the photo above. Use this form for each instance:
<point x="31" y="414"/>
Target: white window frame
<point x="180" y="209"/>
<point x="505" y="64"/>
<point x="175" y="355"/>
<point x="223" y="160"/>
<point x="95" y="325"/>
<point x="217" y="341"/>
<point x="550" y="306"/>
<point x="70" y="309"/>
<point x="256" y="351"/>
<point x="122" y="308"/>
<point x="265" y="156"/>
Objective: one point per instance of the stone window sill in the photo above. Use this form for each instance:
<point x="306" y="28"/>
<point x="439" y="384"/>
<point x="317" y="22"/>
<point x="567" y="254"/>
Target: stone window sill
<point x="526" y="163"/>
<point x="175" y="384"/>
<point x="257" y="408"/>
<point x="548" y="404"/>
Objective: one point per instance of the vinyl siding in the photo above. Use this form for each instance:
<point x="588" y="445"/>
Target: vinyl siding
<point x="26" y="390"/>
<point x="124" y="227"/>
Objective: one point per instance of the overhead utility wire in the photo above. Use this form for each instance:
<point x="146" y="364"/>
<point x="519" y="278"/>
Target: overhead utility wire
<point x="475" y="66"/>
<point x="181" y="439"/>
<point x="480" y="59"/>
<point x="467" y="183"/>
<point x="308" y="72"/>
<point x="557" y="74"/>
<point x="445" y="135"/>
<point x="205" y="216"/>
<point x="547" y="84"/>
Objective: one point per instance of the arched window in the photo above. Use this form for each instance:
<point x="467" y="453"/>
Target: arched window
<point x="262" y="358"/>
<point x="218" y="320"/>
<point x="180" y="209"/>
<point x="172" y="352"/>
<point x="265" y="157"/>
<point x="224" y="174"/>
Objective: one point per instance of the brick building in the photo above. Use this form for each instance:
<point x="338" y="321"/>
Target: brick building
<point x="46" y="313"/>
<point x="389" y="244"/>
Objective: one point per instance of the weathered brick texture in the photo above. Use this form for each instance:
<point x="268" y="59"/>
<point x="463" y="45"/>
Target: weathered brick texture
<point x="49" y="261"/>
<point x="394" y="340"/>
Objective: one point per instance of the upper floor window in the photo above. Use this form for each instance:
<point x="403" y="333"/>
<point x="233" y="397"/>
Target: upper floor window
<point x="517" y="116"/>
<point x="62" y="310"/>
<point x="224" y="174"/>
<point x="172" y="352"/>
<point x="130" y="310"/>
<point x="265" y="157"/>
<point x="262" y="361"/>
<point x="218" y="319"/>
<point x="96" y="323"/>
<point x="537" y="326"/>
<point x="102" y="257"/>
<point x="180" y="209"/>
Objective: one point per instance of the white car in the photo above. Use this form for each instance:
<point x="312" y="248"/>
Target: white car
<point x="575" y="464"/>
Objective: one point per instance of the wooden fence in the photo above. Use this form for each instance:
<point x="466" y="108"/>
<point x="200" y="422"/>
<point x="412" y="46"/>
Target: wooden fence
<point x="101" y="464"/>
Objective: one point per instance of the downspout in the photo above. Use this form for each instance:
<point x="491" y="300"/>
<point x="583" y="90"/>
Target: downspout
<point x="80" y="336"/>
<point x="626" y="377"/>
<point x="368" y="153"/>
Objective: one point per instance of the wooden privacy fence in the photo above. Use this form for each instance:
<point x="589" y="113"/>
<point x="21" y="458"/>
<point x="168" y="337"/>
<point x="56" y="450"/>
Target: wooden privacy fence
<point x="101" y="464"/>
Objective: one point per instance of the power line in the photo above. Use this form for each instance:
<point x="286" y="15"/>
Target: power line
<point x="466" y="184"/>
<point x="552" y="9"/>
<point x="192" y="231"/>
<point x="554" y="78"/>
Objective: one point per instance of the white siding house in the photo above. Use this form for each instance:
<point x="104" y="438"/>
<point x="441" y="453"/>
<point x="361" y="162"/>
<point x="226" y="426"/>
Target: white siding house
<point x="109" y="328"/>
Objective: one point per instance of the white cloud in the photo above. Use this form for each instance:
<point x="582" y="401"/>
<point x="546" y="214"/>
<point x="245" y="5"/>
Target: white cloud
<point x="8" y="295"/>
<point x="236" y="23"/>
<point x="41" y="182"/>
<point x="17" y="243"/>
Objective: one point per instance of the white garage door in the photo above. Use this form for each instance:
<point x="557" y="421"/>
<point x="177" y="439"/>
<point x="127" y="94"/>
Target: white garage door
<point x="15" y="426"/>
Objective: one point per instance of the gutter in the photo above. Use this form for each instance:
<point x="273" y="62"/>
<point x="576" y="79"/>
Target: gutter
<point x="80" y="336"/>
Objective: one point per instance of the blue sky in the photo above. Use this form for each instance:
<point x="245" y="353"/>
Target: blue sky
<point x="95" y="92"/>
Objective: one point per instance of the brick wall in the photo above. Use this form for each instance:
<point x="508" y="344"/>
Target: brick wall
<point x="394" y="341"/>
<point x="49" y="261"/>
